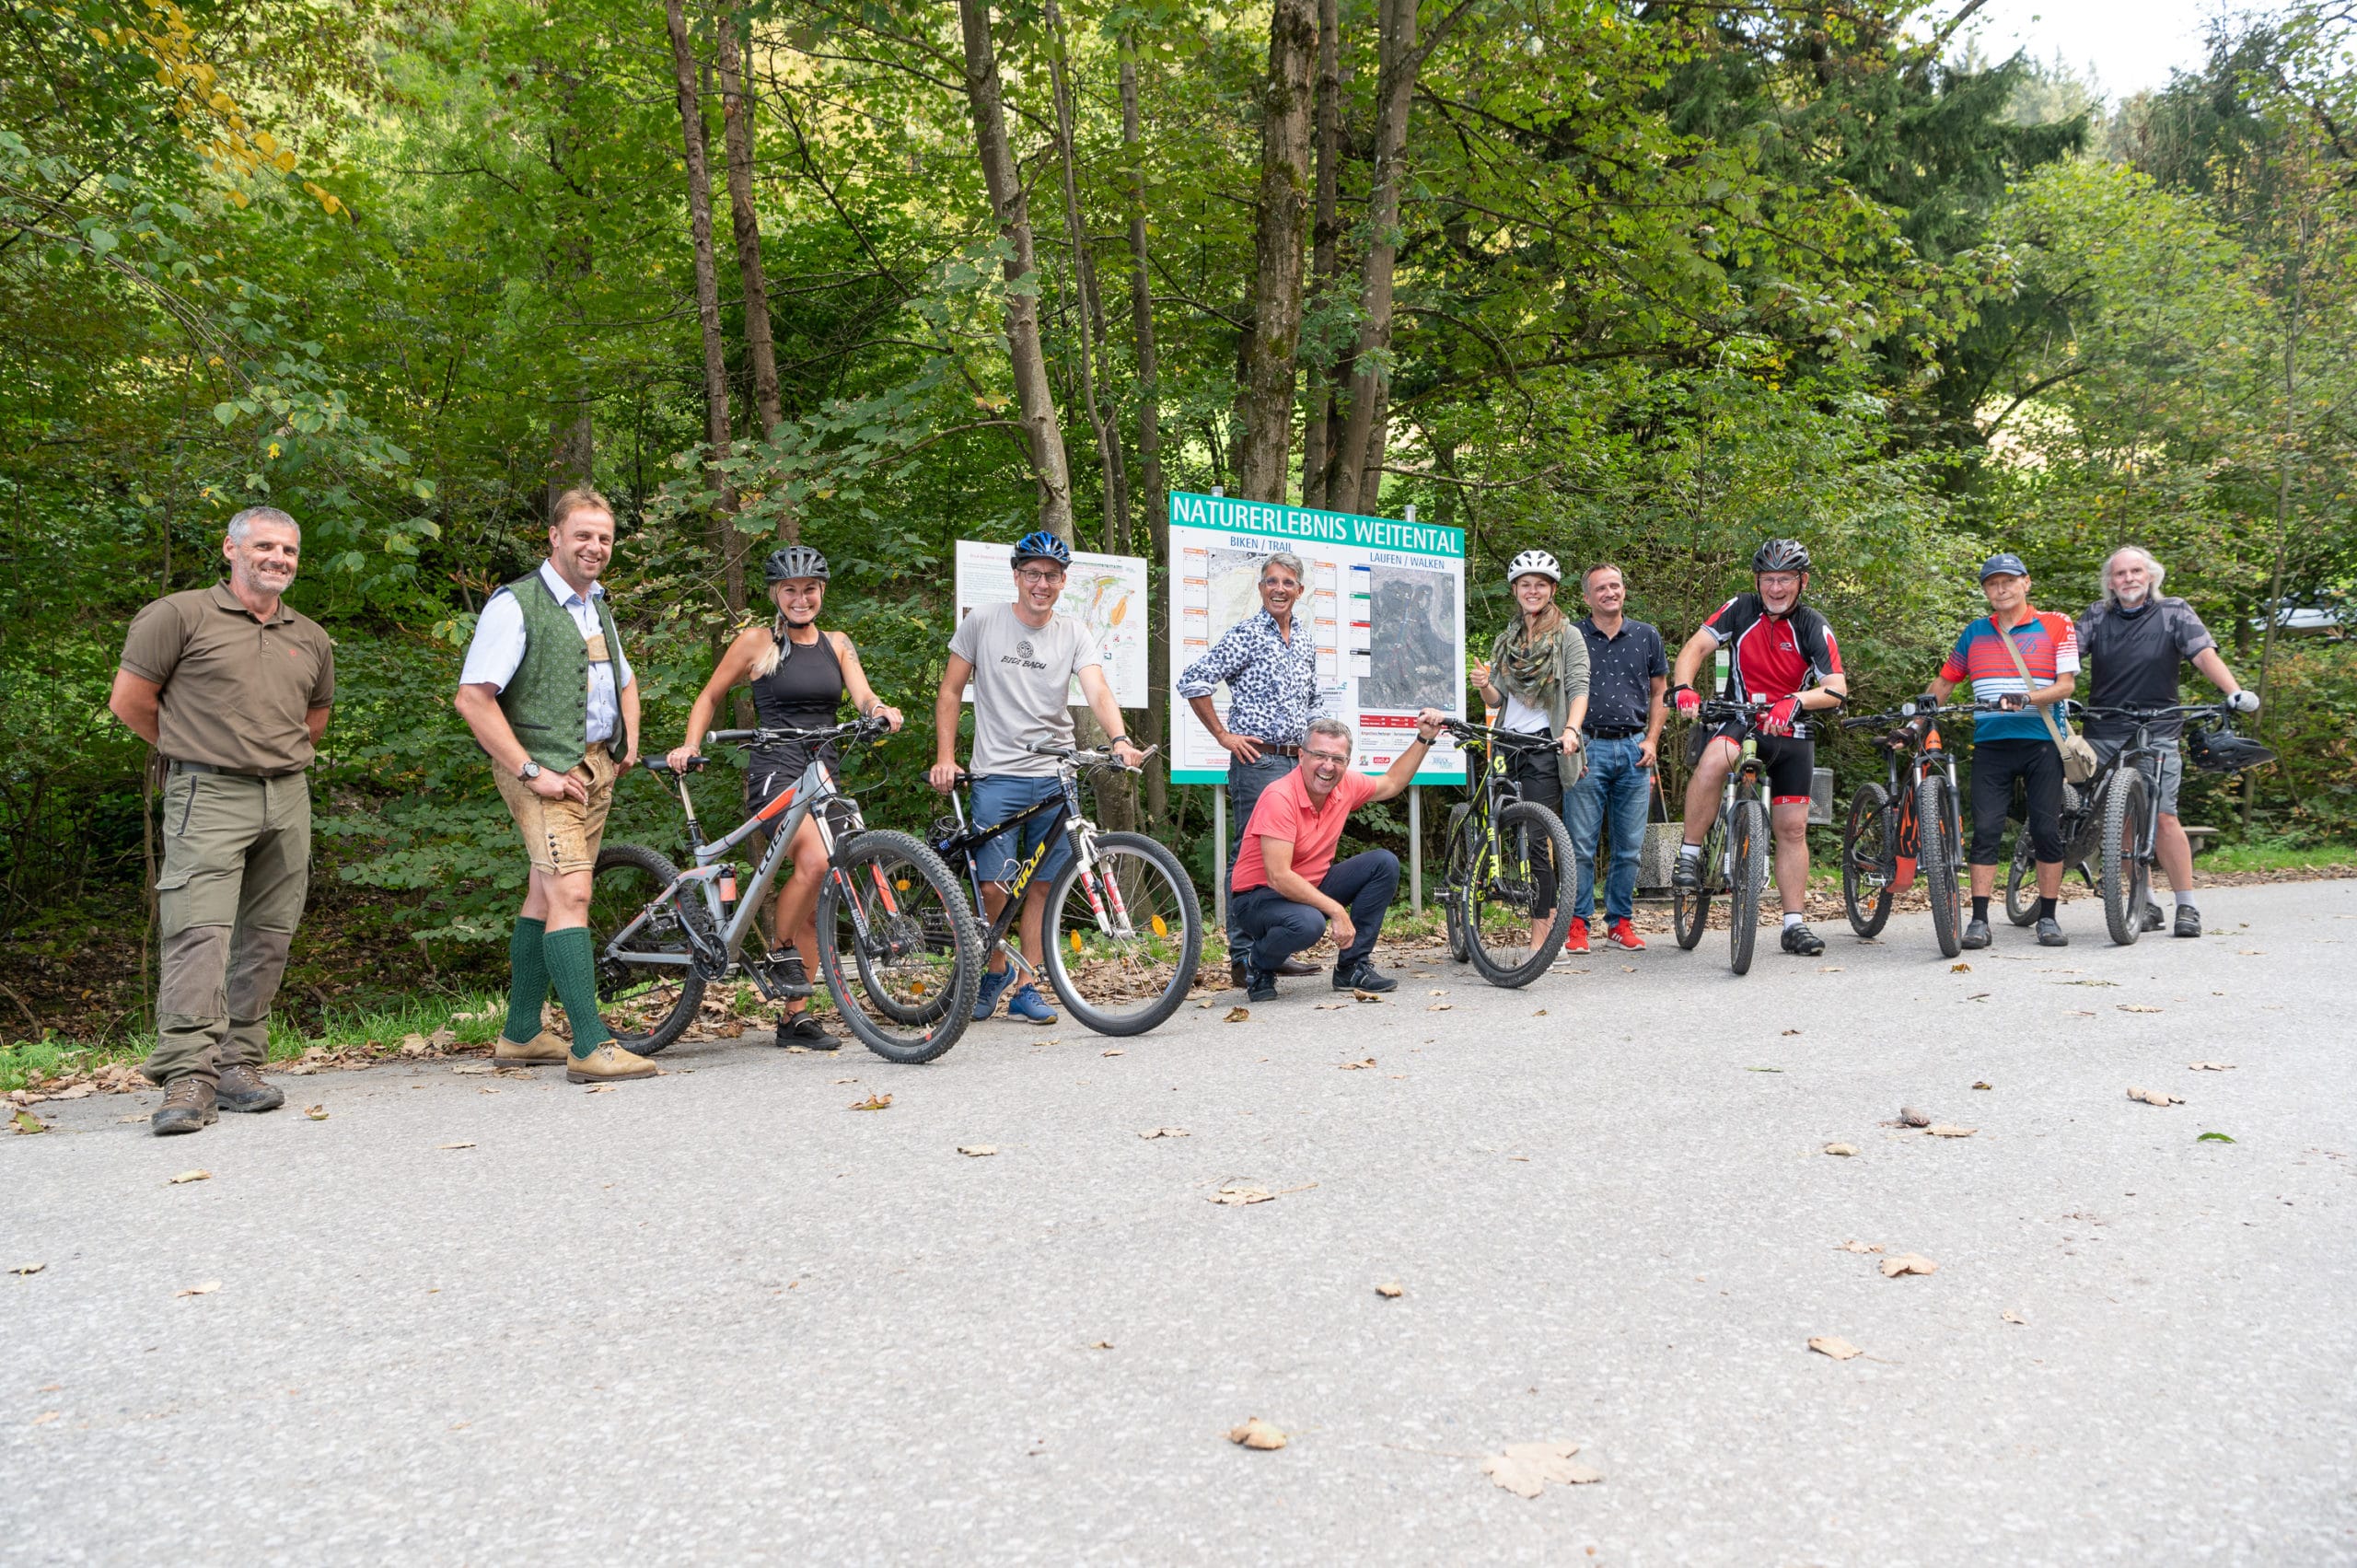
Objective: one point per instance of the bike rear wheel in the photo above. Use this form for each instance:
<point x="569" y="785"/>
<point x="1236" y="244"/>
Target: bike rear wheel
<point x="648" y="996"/>
<point x="892" y="908"/>
<point x="1865" y="861"/>
<point x="1746" y="881"/>
<point x="1532" y="844"/>
<point x="1464" y="849"/>
<point x="1127" y="970"/>
<point x="2127" y="873"/>
<point x="1935" y="860"/>
<point x="2021" y="882"/>
<point x="1690" y="913"/>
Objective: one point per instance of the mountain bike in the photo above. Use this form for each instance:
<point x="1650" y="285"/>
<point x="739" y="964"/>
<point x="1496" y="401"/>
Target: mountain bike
<point x="1735" y="851"/>
<point x="887" y="905"/>
<point x="1907" y="829"/>
<point x="1124" y="930"/>
<point x="1499" y="845"/>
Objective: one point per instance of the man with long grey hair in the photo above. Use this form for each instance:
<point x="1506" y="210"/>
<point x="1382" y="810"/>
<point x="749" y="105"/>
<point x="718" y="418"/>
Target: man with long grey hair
<point x="2134" y="639"/>
<point x="1269" y="661"/>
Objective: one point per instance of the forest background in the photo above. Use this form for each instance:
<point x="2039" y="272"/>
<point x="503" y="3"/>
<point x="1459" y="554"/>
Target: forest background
<point x="1638" y="282"/>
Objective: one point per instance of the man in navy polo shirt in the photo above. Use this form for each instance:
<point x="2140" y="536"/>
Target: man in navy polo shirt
<point x="1628" y="671"/>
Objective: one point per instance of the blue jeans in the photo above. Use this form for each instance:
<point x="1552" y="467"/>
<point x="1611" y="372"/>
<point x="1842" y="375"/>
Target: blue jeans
<point x="1278" y="928"/>
<point x="1615" y="784"/>
<point x="1244" y="782"/>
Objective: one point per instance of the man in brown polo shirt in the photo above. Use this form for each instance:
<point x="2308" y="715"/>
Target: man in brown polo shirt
<point x="233" y="689"/>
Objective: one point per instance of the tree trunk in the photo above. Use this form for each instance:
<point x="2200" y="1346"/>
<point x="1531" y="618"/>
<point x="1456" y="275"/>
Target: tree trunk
<point x="1402" y="59"/>
<point x="571" y="452"/>
<point x="727" y="542"/>
<point x="1011" y="206"/>
<point x="1317" y="445"/>
<point x="1157" y="502"/>
<point x="1264" y="401"/>
<point x="1092" y="308"/>
<point x="736" y="126"/>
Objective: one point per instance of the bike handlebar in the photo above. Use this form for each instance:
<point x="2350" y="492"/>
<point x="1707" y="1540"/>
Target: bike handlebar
<point x="1464" y="729"/>
<point x="855" y="729"/>
<point x="2167" y="711"/>
<point x="1086" y="757"/>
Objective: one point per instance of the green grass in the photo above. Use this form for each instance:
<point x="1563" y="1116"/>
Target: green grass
<point x="2274" y="858"/>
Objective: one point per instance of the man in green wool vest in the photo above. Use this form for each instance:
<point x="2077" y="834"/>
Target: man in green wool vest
<point x="550" y="697"/>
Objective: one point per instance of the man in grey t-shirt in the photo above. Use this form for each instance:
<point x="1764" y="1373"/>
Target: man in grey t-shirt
<point x="1022" y="658"/>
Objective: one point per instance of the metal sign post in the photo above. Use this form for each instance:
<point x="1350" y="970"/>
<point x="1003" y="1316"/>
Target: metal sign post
<point x="1219" y="855"/>
<point x="1416" y="848"/>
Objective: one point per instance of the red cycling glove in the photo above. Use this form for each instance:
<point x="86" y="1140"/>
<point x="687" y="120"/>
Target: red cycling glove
<point x="1779" y="717"/>
<point x="1688" y="700"/>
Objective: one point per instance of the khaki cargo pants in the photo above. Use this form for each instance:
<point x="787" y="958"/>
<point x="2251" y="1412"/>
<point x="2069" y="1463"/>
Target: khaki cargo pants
<point x="237" y="868"/>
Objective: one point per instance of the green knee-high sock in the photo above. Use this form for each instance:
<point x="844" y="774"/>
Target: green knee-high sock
<point x="573" y="967"/>
<point x="530" y="987"/>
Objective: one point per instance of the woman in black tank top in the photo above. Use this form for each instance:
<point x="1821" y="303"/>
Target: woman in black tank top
<point x="799" y="676"/>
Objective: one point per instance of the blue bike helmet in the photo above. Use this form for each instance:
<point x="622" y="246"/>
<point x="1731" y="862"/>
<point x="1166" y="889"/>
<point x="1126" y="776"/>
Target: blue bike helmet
<point x="1041" y="545"/>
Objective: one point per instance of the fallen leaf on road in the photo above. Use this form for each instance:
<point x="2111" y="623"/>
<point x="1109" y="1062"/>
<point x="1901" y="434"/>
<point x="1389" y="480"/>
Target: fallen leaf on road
<point x="1238" y="1015"/>
<point x="1829" y="968"/>
<point x="2135" y="1007"/>
<point x="1358" y="996"/>
<point x="188" y="1175"/>
<point x="873" y="1102"/>
<point x="27" y="1123"/>
<point x="1857" y="1246"/>
<point x="1100" y="1344"/>
<point x="1959" y="968"/>
<point x="1944" y="1130"/>
<point x="1164" y="1132"/>
<point x="601" y="1089"/>
<point x="1114" y="1053"/>
<point x="2210" y="1066"/>
<point x="29" y="1268"/>
<point x="978" y="1151"/>
<point x="1540" y="1014"/>
<point x="1331" y="1006"/>
<point x="2014" y="1317"/>
<point x="1832" y="1345"/>
<point x="1984" y="1084"/>
<point x="1524" y="1468"/>
<point x="1844" y="1150"/>
<point x="1388" y="1292"/>
<point x="1057" y="1040"/>
<point x="45" y="1418"/>
<point x="466" y="1069"/>
<point x="1436" y="991"/>
<point x="207" y="1288"/>
<point x="1234" y="1196"/>
<point x="1911" y="1117"/>
<point x="316" y="1112"/>
<point x="1358" y="1066"/>
<point x="2213" y="1138"/>
<point x="1256" y="1433"/>
<point x="1763" y="1069"/>
<point x="1440" y="1007"/>
<point x="1908" y="1263"/>
<point x="1792" y="1031"/>
<point x="454" y="1146"/>
<point x="2155" y="1097"/>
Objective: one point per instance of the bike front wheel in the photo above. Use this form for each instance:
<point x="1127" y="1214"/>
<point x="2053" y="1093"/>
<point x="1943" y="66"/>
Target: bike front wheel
<point x="1935" y="860"/>
<point x="898" y="946"/>
<point x="1124" y="936"/>
<point x="1865" y="861"/>
<point x="648" y="990"/>
<point x="1690" y="913"/>
<point x="1464" y="850"/>
<point x="1534" y="861"/>
<point x="1746" y="881"/>
<point x="2127" y="874"/>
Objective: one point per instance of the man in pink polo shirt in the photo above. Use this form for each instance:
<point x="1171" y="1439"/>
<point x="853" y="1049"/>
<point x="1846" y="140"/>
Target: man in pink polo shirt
<point x="1286" y="890"/>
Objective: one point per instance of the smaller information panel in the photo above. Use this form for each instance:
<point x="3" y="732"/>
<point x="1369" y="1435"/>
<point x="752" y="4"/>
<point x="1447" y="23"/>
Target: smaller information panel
<point x="1384" y="603"/>
<point x="1105" y="593"/>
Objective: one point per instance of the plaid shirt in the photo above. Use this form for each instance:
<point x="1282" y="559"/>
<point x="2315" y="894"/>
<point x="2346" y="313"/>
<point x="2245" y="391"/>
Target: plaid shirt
<point x="1271" y="684"/>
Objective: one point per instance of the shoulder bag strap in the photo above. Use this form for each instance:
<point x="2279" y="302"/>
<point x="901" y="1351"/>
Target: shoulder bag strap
<point x="2052" y="729"/>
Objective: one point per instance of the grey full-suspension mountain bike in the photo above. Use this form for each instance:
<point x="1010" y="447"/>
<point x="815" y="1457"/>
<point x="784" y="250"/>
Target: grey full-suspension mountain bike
<point x="898" y="947"/>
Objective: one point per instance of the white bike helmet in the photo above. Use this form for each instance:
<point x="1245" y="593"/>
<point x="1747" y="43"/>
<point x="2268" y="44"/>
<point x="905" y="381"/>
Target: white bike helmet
<point x="1536" y="561"/>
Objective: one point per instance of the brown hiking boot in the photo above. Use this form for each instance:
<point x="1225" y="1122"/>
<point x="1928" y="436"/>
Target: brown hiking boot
<point x="540" y="1050"/>
<point x="608" y="1063"/>
<point x="187" y="1108"/>
<point x="241" y="1088"/>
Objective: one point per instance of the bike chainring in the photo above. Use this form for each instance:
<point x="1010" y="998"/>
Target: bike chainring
<point x="707" y="954"/>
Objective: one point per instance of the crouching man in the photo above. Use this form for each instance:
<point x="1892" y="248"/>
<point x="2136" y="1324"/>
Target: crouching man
<point x="1288" y="892"/>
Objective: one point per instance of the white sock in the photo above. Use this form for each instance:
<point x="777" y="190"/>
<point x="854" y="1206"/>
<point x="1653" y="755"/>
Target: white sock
<point x="1791" y="920"/>
<point x="1689" y="852"/>
<point x="2184" y="900"/>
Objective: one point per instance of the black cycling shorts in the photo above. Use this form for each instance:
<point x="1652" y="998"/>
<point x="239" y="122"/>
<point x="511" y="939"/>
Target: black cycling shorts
<point x="1995" y="765"/>
<point x="770" y="771"/>
<point x="1790" y="759"/>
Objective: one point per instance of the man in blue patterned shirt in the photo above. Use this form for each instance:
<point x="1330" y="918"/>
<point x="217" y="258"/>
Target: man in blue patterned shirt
<point x="1269" y="663"/>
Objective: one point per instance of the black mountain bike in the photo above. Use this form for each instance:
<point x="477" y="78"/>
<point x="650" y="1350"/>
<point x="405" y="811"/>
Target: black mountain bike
<point x="1499" y="845"/>
<point x="1735" y="851"/>
<point x="1908" y="829"/>
<point x="1124" y="930"/>
<point x="887" y="905"/>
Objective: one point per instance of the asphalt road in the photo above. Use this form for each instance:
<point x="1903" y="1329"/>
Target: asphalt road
<point x="721" y="1317"/>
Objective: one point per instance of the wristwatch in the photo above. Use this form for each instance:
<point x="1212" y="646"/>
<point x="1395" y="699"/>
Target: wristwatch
<point x="528" y="772"/>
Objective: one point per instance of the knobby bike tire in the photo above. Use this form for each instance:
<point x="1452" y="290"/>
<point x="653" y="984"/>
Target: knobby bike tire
<point x="1936" y="861"/>
<point x="1464" y="854"/>
<point x="1171" y="885"/>
<point x="2127" y="874"/>
<point x="1522" y="823"/>
<point x="663" y="998"/>
<point x="1746" y="883"/>
<point x="926" y="1032"/>
<point x="1690" y="913"/>
<point x="1865" y="852"/>
<point x="2021" y="882"/>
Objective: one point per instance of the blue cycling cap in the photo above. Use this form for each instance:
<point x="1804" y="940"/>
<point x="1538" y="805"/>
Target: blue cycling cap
<point x="2002" y="565"/>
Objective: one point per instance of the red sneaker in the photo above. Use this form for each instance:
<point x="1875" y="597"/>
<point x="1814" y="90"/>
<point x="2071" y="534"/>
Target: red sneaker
<point x="1624" y="934"/>
<point x="1577" y="941"/>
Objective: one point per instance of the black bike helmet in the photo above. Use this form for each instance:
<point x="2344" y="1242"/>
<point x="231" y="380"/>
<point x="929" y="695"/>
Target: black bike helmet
<point x="793" y="560"/>
<point x="1780" y="555"/>
<point x="2220" y="750"/>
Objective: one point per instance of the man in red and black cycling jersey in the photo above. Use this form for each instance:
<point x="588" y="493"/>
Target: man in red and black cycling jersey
<point x="1784" y="654"/>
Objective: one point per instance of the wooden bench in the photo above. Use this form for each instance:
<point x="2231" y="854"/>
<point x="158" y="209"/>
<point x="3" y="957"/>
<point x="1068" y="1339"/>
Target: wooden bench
<point x="2201" y="838"/>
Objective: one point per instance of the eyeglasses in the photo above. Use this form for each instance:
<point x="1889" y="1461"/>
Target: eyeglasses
<point x="1327" y="759"/>
<point x="1029" y="575"/>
